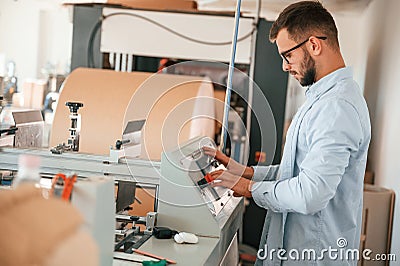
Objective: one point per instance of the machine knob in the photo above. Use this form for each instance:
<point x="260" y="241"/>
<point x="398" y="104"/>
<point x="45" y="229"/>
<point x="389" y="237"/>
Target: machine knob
<point x="74" y="106"/>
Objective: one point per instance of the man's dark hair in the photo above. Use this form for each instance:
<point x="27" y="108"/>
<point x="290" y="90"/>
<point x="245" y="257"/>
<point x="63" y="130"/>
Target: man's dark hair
<point x="304" y="19"/>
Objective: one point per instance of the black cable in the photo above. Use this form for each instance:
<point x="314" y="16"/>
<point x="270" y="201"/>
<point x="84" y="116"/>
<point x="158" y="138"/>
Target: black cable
<point x="90" y="59"/>
<point x="177" y="33"/>
<point x="90" y="56"/>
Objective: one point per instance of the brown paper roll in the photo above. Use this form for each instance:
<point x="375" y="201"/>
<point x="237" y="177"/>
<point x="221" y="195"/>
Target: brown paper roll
<point x="176" y="108"/>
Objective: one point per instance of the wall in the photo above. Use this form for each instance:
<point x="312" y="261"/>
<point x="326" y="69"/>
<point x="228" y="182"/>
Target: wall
<point x="382" y="90"/>
<point x="350" y="38"/>
<point x="35" y="33"/>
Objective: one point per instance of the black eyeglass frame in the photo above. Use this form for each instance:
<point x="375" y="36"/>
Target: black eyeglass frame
<point x="283" y="54"/>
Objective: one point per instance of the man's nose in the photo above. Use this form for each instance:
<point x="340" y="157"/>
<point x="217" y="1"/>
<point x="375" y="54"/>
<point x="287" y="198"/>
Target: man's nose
<point x="285" y="66"/>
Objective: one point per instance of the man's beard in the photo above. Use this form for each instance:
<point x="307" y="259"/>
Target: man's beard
<point x="310" y="72"/>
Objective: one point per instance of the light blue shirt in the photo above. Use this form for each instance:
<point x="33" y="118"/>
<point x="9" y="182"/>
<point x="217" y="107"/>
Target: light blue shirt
<point x="314" y="197"/>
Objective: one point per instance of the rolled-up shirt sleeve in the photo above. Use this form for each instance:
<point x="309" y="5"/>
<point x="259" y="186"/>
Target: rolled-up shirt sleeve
<point x="333" y="132"/>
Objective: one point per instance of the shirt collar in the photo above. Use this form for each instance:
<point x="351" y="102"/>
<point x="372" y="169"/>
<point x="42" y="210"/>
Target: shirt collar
<point x="327" y="82"/>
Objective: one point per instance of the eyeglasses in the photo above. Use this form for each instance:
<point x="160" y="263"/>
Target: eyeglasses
<point x="284" y="54"/>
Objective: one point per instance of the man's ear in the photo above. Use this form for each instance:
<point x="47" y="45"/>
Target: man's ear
<point x="315" y="46"/>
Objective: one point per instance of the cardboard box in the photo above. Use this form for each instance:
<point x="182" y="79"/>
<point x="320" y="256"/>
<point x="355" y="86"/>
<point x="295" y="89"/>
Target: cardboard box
<point x="369" y="177"/>
<point x="376" y="232"/>
<point x="172" y="5"/>
<point x="33" y="93"/>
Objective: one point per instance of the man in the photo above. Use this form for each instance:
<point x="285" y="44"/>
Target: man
<point x="314" y="197"/>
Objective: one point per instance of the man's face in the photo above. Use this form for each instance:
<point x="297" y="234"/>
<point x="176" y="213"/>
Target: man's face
<point x="301" y="65"/>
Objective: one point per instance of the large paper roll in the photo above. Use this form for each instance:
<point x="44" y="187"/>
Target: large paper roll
<point x="176" y="108"/>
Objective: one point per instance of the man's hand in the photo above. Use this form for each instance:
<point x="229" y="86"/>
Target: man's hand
<point x="232" y="166"/>
<point x="239" y="185"/>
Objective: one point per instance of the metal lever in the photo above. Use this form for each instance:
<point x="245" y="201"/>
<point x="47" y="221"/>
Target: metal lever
<point x="224" y="129"/>
<point x="119" y="143"/>
<point x="73" y="140"/>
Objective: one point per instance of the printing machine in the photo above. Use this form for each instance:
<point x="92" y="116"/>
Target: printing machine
<point x="170" y="162"/>
<point x="215" y="224"/>
<point x="124" y="39"/>
<point x="110" y="103"/>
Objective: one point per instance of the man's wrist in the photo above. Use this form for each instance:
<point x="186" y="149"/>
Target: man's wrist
<point x="248" y="172"/>
<point x="249" y="189"/>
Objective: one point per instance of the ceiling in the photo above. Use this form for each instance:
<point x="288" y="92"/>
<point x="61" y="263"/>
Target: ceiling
<point x="271" y="8"/>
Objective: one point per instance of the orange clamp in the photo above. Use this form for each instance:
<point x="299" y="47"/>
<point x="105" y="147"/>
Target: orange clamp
<point x="209" y="178"/>
<point x="68" y="185"/>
